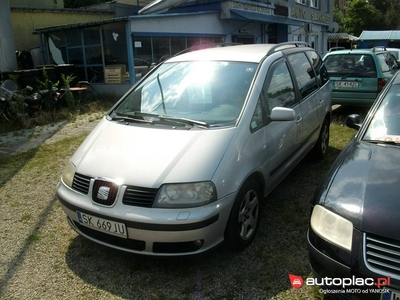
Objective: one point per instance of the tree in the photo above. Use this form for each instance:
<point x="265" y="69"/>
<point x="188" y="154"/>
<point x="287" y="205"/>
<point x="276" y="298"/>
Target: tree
<point x="362" y="15"/>
<point x="338" y="16"/>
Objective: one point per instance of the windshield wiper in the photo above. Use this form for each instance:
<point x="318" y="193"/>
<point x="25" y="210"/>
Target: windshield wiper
<point x="153" y="119"/>
<point x="130" y="119"/>
<point x="185" y="121"/>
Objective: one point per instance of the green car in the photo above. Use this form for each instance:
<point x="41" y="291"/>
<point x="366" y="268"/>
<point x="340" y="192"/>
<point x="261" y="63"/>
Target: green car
<point x="358" y="75"/>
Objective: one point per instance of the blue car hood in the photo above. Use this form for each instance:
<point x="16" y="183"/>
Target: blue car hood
<point x="365" y="187"/>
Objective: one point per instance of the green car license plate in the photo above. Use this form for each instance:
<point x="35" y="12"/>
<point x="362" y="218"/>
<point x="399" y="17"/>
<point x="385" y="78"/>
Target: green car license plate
<point x="104" y="225"/>
<point x="345" y="84"/>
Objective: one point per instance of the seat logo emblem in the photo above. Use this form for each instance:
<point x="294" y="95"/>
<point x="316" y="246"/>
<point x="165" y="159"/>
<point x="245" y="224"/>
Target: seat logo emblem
<point x="103" y="192"/>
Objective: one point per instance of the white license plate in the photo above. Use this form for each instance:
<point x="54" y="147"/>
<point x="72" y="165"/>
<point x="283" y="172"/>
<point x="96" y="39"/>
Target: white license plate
<point x="391" y="295"/>
<point x="345" y="84"/>
<point x="104" y="225"/>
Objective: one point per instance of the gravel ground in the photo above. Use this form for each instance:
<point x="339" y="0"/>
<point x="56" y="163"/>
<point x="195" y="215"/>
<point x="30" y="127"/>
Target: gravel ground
<point x="43" y="258"/>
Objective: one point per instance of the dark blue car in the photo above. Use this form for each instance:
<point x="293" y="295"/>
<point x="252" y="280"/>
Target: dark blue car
<point x="354" y="232"/>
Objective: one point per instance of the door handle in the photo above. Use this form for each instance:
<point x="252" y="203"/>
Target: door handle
<point x="298" y="120"/>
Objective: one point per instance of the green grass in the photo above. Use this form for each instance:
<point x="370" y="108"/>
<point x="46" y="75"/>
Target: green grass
<point x="86" y="106"/>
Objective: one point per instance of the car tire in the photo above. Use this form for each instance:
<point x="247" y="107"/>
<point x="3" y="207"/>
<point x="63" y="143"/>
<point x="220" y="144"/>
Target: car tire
<point x="244" y="219"/>
<point x="321" y="147"/>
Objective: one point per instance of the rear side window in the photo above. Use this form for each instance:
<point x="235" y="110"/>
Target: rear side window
<point x="319" y="67"/>
<point x="351" y="65"/>
<point x="387" y="62"/>
<point x="304" y="72"/>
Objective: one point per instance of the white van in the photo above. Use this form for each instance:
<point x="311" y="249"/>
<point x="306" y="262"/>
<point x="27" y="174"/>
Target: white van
<point x="182" y="162"/>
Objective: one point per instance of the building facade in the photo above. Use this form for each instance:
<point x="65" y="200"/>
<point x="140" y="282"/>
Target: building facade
<point x="121" y="50"/>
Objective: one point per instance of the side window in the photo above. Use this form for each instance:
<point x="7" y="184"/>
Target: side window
<point x="277" y="91"/>
<point x="305" y="75"/>
<point x="387" y="62"/>
<point x="319" y="67"/>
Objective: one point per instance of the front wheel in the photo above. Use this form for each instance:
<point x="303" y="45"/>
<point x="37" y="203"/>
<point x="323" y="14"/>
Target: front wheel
<point x="244" y="219"/>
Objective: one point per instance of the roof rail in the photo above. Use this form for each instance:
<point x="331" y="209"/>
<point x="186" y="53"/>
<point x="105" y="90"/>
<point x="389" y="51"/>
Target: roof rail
<point x="377" y="48"/>
<point x="206" y="46"/>
<point x="287" y="45"/>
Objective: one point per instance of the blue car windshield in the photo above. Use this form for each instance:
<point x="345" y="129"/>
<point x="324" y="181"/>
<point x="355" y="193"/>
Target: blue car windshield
<point x="207" y="91"/>
<point x="385" y="125"/>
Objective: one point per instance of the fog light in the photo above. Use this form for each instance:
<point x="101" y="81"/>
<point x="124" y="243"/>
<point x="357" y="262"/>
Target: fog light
<point x="198" y="243"/>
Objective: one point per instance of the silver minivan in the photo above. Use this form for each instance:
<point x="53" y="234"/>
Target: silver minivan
<point x="183" y="160"/>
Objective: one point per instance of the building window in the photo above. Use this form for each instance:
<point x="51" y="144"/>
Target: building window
<point x="314" y="3"/>
<point x="153" y="50"/>
<point x="91" y="49"/>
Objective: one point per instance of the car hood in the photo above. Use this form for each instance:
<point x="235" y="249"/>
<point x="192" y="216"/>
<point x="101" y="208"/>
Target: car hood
<point x="149" y="157"/>
<point x="364" y="188"/>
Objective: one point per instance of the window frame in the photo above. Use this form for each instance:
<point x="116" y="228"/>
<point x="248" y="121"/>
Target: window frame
<point x="263" y="104"/>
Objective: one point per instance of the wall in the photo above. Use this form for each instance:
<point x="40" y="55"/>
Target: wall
<point x="197" y="24"/>
<point x="51" y="4"/>
<point x="24" y="22"/>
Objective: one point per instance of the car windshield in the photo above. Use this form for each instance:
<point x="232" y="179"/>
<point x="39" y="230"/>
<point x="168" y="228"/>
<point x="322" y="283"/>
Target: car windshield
<point x="351" y="65"/>
<point x="212" y="92"/>
<point x="385" y="125"/>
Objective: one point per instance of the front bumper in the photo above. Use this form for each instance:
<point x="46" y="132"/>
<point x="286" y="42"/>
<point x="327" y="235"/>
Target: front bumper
<point x="327" y="261"/>
<point x="151" y="231"/>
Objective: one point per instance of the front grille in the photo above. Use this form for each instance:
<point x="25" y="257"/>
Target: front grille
<point x="139" y="196"/>
<point x="81" y="183"/>
<point x="382" y="255"/>
<point x="111" y="239"/>
<point x="133" y="196"/>
<point x="104" y="192"/>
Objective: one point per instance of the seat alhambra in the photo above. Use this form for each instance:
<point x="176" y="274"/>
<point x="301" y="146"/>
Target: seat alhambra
<point x="184" y="159"/>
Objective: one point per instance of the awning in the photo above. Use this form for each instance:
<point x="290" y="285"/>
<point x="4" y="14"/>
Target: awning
<point x="248" y="15"/>
<point x="79" y="25"/>
<point x="370" y="35"/>
<point x="341" y="36"/>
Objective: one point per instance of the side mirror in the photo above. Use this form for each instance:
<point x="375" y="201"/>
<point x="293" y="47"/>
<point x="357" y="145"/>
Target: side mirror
<point x="353" y="121"/>
<point x="282" y="114"/>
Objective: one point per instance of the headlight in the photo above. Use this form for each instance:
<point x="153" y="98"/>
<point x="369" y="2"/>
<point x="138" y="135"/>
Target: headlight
<point x="185" y="195"/>
<point x="332" y="227"/>
<point x="67" y="176"/>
